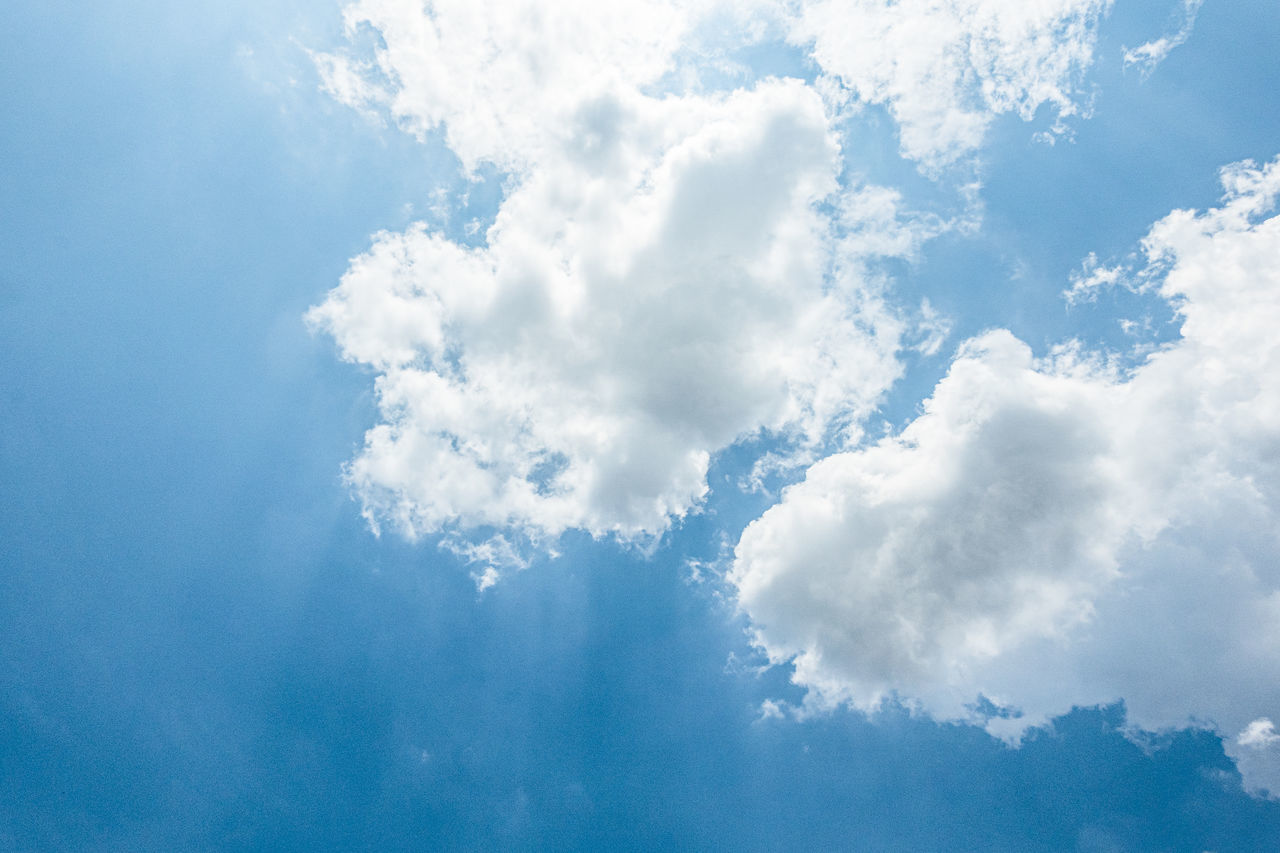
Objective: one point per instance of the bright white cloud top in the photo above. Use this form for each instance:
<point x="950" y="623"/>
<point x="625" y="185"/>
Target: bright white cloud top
<point x="946" y="69"/>
<point x="1059" y="531"/>
<point x="680" y="264"/>
<point x="635" y="310"/>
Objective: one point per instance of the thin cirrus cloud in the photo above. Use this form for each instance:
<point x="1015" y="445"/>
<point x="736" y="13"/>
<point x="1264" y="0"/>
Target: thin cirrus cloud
<point x="675" y="268"/>
<point x="1145" y="57"/>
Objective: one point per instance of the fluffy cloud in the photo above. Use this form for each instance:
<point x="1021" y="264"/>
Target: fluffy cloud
<point x="672" y="269"/>
<point x="946" y="69"/>
<point x="659" y="281"/>
<point x="982" y="524"/>
<point x="1058" y="531"/>
<point x="1261" y="733"/>
<point x="501" y="77"/>
<point x="657" y="287"/>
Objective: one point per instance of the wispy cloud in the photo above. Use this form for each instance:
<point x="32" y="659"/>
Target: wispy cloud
<point x="946" y="69"/>
<point x="1147" y="56"/>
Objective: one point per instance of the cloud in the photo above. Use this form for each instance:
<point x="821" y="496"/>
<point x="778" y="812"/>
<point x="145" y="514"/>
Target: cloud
<point x="660" y="280"/>
<point x="1260" y="733"/>
<point x="497" y="555"/>
<point x="673" y="268"/>
<point x="1147" y="56"/>
<point x="979" y="526"/>
<point x="676" y="268"/>
<point x="1058" y="531"/>
<point x="946" y="69"/>
<point x="1093" y="277"/>
<point x="659" y="286"/>
<point x="500" y="77"/>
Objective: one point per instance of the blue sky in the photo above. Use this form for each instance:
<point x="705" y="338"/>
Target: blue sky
<point x="204" y="645"/>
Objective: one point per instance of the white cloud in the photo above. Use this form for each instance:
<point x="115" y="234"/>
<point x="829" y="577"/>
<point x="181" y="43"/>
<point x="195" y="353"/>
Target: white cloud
<point x="931" y="330"/>
<point x="980" y="526"/>
<point x="770" y="710"/>
<point x="656" y="288"/>
<point x="675" y="269"/>
<point x="946" y="68"/>
<point x="1260" y="734"/>
<point x="1057" y="532"/>
<point x="497" y="554"/>
<point x="1147" y="56"/>
<point x="1093" y="277"/>
<point x="672" y="269"/>
<point x="486" y="579"/>
<point x="875" y="223"/>
<point x="501" y="77"/>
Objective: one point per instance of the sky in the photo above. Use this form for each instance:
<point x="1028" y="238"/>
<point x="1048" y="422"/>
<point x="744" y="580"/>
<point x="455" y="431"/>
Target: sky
<point x="722" y="424"/>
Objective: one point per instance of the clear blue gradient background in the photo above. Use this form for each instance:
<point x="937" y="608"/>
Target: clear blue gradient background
<point x="203" y="647"/>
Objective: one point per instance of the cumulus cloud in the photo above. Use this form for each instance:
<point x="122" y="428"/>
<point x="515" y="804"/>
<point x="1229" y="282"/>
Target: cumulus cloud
<point x="945" y="69"/>
<point x="675" y="268"/>
<point x="500" y="77"/>
<point x="982" y="524"/>
<point x="1147" y="56"/>
<point x="1260" y="734"/>
<point x="1058" y="531"/>
<point x="658" y="282"/>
